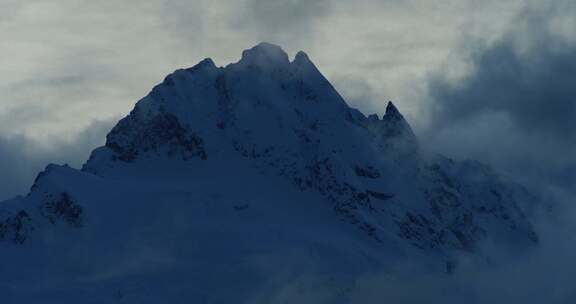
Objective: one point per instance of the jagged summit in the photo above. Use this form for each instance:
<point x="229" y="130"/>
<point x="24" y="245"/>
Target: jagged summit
<point x="269" y="103"/>
<point x="265" y="54"/>
<point x="397" y="124"/>
<point x="256" y="170"/>
<point x="394" y="132"/>
<point x="286" y="119"/>
<point x="270" y="56"/>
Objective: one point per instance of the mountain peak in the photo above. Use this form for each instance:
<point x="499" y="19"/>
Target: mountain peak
<point x="285" y="119"/>
<point x="394" y="131"/>
<point x="302" y="61"/>
<point x="265" y="54"/>
<point x="263" y="149"/>
<point x="391" y="110"/>
<point x="301" y="57"/>
<point x="205" y="63"/>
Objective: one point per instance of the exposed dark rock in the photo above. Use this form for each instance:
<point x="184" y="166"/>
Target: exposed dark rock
<point x="63" y="208"/>
<point x="16" y="228"/>
<point x="133" y="136"/>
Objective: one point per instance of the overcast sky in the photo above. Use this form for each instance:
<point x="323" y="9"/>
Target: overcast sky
<point x="460" y="70"/>
<point x="67" y="62"/>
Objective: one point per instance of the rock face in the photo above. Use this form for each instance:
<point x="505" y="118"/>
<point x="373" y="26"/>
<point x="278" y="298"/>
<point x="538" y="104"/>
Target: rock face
<point x="267" y="147"/>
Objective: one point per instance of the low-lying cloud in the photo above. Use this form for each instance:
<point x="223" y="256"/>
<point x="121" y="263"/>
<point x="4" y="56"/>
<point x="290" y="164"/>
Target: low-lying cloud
<point x="516" y="108"/>
<point x="22" y="158"/>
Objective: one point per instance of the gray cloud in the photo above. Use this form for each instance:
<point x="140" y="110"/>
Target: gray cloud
<point x="281" y="21"/>
<point x="116" y="51"/>
<point x="534" y="88"/>
<point x="359" y="94"/>
<point x="71" y="62"/>
<point x="16" y="169"/>
<point x="102" y="57"/>
<point x="516" y="108"/>
<point x="22" y="158"/>
<point x="8" y="9"/>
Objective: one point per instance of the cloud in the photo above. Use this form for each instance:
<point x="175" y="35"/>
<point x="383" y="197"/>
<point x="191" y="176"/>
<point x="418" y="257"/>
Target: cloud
<point x="282" y="21"/>
<point x="516" y="107"/>
<point x="8" y="8"/>
<point x="359" y="94"/>
<point x="82" y="60"/>
<point x="533" y="86"/>
<point x="102" y="57"/>
<point x="22" y="158"/>
<point x="513" y="104"/>
<point x="15" y="168"/>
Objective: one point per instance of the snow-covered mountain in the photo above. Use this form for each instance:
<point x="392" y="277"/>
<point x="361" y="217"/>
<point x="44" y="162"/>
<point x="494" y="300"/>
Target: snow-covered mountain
<point x="249" y="183"/>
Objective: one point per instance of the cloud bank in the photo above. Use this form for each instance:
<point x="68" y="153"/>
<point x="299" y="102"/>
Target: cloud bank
<point x="22" y="158"/>
<point x="516" y="106"/>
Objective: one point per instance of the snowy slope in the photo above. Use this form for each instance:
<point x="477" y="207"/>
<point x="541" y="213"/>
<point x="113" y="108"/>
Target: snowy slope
<point x="228" y="184"/>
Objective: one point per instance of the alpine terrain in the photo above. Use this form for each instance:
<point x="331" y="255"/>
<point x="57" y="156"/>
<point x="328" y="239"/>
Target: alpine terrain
<point x="250" y="183"/>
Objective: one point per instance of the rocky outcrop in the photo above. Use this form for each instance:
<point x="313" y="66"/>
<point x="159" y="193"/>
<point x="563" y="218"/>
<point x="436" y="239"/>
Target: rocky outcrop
<point x="18" y="224"/>
<point x="16" y="228"/>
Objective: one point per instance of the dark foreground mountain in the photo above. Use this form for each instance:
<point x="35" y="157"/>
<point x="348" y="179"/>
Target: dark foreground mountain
<point x="253" y="182"/>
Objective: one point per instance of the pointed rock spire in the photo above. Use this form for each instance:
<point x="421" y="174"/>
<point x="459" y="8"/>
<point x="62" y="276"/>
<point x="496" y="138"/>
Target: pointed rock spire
<point x="392" y="111"/>
<point x="395" y="122"/>
<point x="394" y="131"/>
